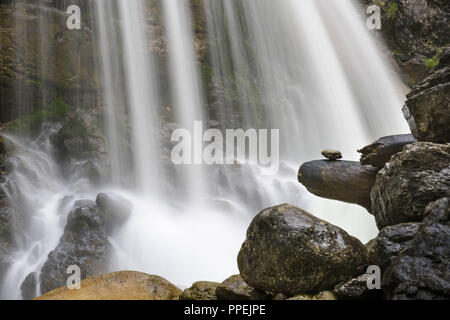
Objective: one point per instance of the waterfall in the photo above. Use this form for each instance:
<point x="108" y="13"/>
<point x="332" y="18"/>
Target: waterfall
<point x="309" y="68"/>
<point x="186" y="89"/>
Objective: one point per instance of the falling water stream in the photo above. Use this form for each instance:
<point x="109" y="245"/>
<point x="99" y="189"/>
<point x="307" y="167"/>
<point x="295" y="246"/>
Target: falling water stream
<point x="309" y="68"/>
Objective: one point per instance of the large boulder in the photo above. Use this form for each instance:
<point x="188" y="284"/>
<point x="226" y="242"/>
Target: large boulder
<point x="385" y="248"/>
<point x="289" y="251"/>
<point x="201" y="290"/>
<point x="84" y="244"/>
<point x="123" y="285"/>
<point x="427" y="107"/>
<point x="413" y="178"/>
<point x="235" y="288"/>
<point x="422" y="269"/>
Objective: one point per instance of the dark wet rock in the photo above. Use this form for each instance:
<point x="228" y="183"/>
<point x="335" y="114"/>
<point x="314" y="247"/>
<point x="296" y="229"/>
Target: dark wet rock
<point x="84" y="244"/>
<point x="347" y="181"/>
<point x="289" y="251"/>
<point x="235" y="288"/>
<point x="200" y="290"/>
<point x="356" y="288"/>
<point x="421" y="270"/>
<point x="427" y="108"/>
<point x="332" y="154"/>
<point x="413" y="178"/>
<point x="386" y="247"/>
<point x="416" y="33"/>
<point x="116" y="210"/>
<point x="29" y="286"/>
<point x="80" y="146"/>
<point x="381" y="151"/>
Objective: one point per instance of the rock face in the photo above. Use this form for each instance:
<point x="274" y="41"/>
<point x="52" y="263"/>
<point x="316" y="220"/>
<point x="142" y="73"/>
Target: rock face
<point x="84" y="243"/>
<point x="386" y="247"/>
<point x="80" y="146"/>
<point x="200" y="290"/>
<point x="421" y="269"/>
<point x="235" y="288"/>
<point x="85" y="240"/>
<point x="29" y="286"/>
<point x="416" y="33"/>
<point x="69" y="71"/>
<point x="356" y="289"/>
<point x="123" y="285"/>
<point x="381" y="151"/>
<point x="412" y="179"/>
<point x="427" y="107"/>
<point x="287" y="250"/>
<point x="347" y="181"/>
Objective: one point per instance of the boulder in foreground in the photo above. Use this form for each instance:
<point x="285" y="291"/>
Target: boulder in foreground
<point x="122" y="285"/>
<point x="289" y="251"/>
<point x="413" y="178"/>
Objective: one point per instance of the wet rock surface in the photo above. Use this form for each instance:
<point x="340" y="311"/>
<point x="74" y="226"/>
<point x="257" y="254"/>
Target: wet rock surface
<point x="84" y="244"/>
<point x="413" y="178"/>
<point x="421" y="269"/>
<point x="347" y="181"/>
<point x="289" y="251"/>
<point x="235" y="288"/>
<point x="80" y="146"/>
<point x="122" y="285"/>
<point x="201" y="290"/>
<point x="416" y="33"/>
<point x="381" y="151"/>
<point x="427" y="108"/>
<point x="29" y="286"/>
<point x="356" y="288"/>
<point x="386" y="247"/>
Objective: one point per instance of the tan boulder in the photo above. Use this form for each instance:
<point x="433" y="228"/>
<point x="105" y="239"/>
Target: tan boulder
<point x="122" y="285"/>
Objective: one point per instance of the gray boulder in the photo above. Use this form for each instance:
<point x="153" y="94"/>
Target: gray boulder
<point x="289" y="251"/>
<point x="84" y="244"/>
<point x="421" y="272"/>
<point x="413" y="178"/>
<point x="385" y="248"/>
<point x="427" y="108"/>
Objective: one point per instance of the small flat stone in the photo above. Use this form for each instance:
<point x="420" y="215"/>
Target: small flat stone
<point x="332" y="154"/>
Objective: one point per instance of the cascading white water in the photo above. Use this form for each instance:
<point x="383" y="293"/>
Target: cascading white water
<point x="142" y="94"/>
<point x="306" y="67"/>
<point x="188" y="102"/>
<point x="42" y="199"/>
